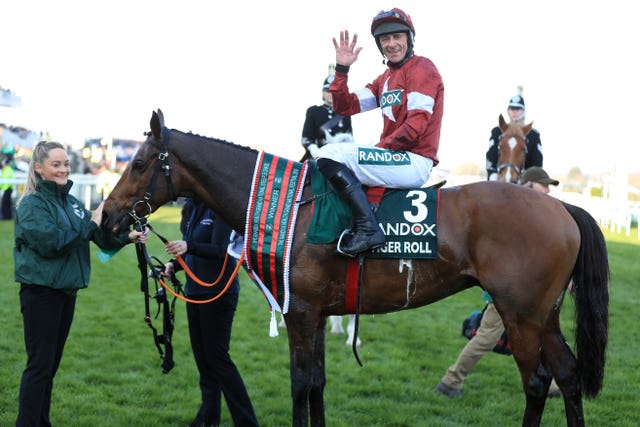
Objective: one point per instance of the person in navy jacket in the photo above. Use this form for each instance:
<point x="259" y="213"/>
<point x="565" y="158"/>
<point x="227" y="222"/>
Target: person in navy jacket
<point x="205" y="238"/>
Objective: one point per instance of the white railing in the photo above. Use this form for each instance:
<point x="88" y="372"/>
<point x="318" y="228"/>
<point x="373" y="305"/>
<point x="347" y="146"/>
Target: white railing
<point x="88" y="188"/>
<point x="615" y="216"/>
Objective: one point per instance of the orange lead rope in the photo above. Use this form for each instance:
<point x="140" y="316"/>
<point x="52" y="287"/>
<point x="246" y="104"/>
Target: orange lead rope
<point x="233" y="275"/>
<point x="197" y="280"/>
<point x="188" y="271"/>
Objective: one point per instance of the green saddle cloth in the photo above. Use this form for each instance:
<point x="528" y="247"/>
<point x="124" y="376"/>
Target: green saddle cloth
<point x="330" y="214"/>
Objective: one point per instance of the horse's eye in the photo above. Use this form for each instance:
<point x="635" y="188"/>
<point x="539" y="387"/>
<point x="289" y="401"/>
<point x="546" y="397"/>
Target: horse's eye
<point x="137" y="165"/>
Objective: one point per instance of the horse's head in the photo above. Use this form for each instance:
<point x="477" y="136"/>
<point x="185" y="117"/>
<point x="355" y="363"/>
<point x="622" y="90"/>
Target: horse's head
<point x="512" y="149"/>
<point x="150" y="180"/>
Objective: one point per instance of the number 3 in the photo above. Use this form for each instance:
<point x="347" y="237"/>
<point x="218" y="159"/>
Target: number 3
<point x="418" y="202"/>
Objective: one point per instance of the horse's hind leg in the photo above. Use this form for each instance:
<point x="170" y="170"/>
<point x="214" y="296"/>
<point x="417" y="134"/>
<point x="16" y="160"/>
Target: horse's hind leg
<point x="525" y="341"/>
<point x="336" y="328"/>
<point x="351" y="331"/>
<point x="336" y="325"/>
<point x="558" y="356"/>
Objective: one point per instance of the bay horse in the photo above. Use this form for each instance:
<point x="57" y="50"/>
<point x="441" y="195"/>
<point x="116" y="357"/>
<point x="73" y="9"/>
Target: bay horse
<point x="521" y="246"/>
<point x="512" y="149"/>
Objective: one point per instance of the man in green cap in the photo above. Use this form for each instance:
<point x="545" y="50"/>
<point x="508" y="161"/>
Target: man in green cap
<point x="537" y="178"/>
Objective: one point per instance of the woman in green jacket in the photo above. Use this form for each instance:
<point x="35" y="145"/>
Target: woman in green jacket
<point x="51" y="255"/>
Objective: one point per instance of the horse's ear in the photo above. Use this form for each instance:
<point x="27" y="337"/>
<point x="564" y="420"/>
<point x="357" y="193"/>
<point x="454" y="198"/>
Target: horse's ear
<point x="157" y="122"/>
<point x="526" y="129"/>
<point x="502" y="123"/>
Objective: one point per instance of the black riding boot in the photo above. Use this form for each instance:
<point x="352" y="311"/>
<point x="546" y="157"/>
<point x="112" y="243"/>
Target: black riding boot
<point x="366" y="233"/>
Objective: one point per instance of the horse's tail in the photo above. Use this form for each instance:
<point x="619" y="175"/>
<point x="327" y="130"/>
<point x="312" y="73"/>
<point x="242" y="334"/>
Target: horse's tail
<point x="591" y="297"/>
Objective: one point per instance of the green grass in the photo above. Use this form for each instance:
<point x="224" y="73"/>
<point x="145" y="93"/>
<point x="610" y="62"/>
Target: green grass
<point x="110" y="373"/>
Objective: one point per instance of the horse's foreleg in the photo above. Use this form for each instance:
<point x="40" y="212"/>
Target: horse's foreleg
<point x="302" y="331"/>
<point x="318" y="379"/>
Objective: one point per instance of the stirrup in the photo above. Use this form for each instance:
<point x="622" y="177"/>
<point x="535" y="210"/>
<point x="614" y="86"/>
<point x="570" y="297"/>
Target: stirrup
<point x="344" y="232"/>
<point x="353" y="254"/>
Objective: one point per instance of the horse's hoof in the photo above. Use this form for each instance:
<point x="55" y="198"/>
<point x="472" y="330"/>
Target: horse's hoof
<point x="336" y="329"/>
<point x="198" y="423"/>
<point x="349" y="343"/>
<point x="448" y="391"/>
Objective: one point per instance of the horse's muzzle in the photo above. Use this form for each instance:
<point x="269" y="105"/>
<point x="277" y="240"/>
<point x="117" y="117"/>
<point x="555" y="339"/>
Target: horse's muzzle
<point x="117" y="222"/>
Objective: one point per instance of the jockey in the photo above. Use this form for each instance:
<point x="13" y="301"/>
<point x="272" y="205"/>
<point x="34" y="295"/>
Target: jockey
<point x="410" y="94"/>
<point x="533" y="157"/>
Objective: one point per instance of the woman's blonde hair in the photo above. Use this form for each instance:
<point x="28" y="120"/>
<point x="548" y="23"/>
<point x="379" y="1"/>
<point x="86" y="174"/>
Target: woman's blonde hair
<point x="40" y="154"/>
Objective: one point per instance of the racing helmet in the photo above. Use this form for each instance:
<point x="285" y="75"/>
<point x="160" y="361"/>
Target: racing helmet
<point x="393" y="21"/>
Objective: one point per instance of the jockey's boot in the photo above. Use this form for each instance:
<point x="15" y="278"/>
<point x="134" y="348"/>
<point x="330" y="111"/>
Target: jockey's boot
<point x="365" y="233"/>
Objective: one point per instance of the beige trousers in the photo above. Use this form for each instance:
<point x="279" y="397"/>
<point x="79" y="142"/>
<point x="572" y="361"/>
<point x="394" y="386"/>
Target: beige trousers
<point x="486" y="337"/>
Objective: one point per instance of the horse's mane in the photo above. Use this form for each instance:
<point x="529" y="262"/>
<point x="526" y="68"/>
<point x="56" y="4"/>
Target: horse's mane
<point x="216" y="140"/>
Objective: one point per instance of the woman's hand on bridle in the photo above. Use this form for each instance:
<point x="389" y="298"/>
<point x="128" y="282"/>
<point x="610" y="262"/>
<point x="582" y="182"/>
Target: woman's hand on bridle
<point x="139" y="236"/>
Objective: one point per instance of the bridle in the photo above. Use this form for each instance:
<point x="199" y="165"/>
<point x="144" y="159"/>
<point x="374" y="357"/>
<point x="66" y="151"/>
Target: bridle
<point x="518" y="169"/>
<point x="163" y="167"/>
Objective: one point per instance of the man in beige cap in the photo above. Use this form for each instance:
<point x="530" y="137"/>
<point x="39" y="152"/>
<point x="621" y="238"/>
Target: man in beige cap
<point x="491" y="326"/>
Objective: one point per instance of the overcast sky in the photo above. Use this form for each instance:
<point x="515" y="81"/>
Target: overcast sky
<point x="246" y="71"/>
